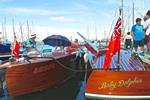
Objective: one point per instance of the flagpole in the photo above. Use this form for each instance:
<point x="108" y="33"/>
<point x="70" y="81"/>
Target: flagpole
<point x="133" y="11"/>
<point x="14" y="35"/>
<point x="120" y="13"/>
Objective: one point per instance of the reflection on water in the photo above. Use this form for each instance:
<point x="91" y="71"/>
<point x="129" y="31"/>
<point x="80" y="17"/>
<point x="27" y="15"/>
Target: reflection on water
<point x="73" y="89"/>
<point x="80" y="95"/>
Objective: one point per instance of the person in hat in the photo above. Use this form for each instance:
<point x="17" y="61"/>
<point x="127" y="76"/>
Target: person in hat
<point x="30" y="43"/>
<point x="138" y="36"/>
<point x="29" y="46"/>
<point x="147" y="27"/>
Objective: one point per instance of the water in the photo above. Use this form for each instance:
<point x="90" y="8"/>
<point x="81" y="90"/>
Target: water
<point x="73" y="89"/>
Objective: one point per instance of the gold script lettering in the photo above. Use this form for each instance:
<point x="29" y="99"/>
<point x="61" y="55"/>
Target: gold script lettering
<point x="129" y="82"/>
<point x="121" y="83"/>
<point x="111" y="85"/>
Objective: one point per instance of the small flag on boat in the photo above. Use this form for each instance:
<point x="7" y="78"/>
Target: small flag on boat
<point x="16" y="48"/>
<point x="114" y="44"/>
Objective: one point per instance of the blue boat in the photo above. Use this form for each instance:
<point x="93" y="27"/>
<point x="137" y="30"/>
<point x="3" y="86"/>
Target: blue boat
<point x="5" y="48"/>
<point x="4" y="51"/>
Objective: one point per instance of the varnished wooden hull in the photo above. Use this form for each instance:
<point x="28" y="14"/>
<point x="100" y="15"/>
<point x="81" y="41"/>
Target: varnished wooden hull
<point x="27" y="77"/>
<point x="118" y="85"/>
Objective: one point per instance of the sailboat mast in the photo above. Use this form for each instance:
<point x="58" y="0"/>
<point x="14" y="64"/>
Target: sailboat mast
<point x="14" y="34"/>
<point x="133" y="11"/>
<point x="95" y="33"/>
<point x="128" y="19"/>
<point x="122" y="30"/>
<point x="142" y="11"/>
<point x="28" y="30"/>
<point x="122" y="14"/>
<point x="13" y="29"/>
<point x="21" y="32"/>
<point x="5" y="36"/>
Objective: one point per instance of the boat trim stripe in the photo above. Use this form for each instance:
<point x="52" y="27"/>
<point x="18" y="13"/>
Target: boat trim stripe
<point x="91" y="95"/>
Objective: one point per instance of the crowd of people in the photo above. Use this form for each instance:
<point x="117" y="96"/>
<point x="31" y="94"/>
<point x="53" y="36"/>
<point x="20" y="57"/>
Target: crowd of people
<point x="140" y="35"/>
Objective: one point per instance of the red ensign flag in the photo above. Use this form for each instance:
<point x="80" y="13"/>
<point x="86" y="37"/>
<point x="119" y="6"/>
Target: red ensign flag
<point x="16" y="49"/>
<point x="114" y="44"/>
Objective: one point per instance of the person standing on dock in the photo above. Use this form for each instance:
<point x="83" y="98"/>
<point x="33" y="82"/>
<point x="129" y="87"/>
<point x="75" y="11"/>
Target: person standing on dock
<point x="147" y="29"/>
<point x="138" y="36"/>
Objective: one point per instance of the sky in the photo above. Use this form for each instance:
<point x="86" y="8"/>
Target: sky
<point x="66" y="17"/>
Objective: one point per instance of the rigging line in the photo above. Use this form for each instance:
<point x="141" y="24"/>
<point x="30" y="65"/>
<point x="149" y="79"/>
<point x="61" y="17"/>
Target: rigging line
<point x="112" y="24"/>
<point x="71" y="69"/>
<point x="138" y="12"/>
<point x="127" y="22"/>
<point x="64" y="66"/>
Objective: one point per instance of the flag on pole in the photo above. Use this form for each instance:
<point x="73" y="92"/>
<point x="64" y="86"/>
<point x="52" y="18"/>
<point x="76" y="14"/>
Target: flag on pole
<point x="114" y="44"/>
<point x="16" y="48"/>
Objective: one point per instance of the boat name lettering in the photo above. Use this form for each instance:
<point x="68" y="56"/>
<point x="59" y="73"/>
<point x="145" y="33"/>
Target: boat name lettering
<point x="129" y="82"/>
<point x="111" y="85"/>
<point x="43" y="68"/>
<point x="121" y="83"/>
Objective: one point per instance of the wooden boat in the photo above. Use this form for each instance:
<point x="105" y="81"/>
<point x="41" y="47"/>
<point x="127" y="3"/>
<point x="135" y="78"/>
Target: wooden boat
<point x="130" y="81"/>
<point x="38" y="73"/>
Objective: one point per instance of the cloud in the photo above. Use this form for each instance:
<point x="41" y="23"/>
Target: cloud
<point x="32" y="11"/>
<point x="62" y="19"/>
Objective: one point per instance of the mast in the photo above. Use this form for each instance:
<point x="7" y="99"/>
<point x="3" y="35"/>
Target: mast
<point x="28" y="30"/>
<point x="105" y="34"/>
<point x="21" y="32"/>
<point x="14" y="35"/>
<point x="122" y="30"/>
<point x="128" y="19"/>
<point x="13" y="29"/>
<point x="95" y="33"/>
<point x="122" y="14"/>
<point x="32" y="28"/>
<point x="5" y="34"/>
<point x="133" y="11"/>
<point x="142" y="11"/>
